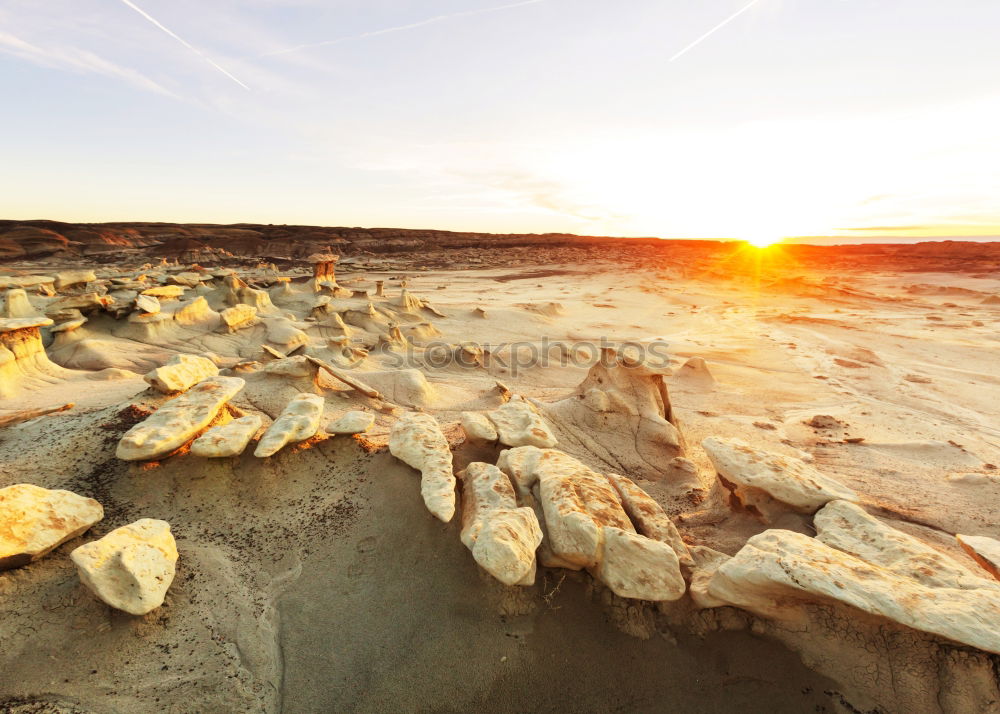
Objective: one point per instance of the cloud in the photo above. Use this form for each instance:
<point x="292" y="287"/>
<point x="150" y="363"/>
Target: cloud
<point x="400" y="28"/>
<point x="78" y="60"/>
<point x="184" y="42"/>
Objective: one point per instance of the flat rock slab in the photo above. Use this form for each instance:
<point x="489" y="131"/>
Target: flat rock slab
<point x="518" y="424"/>
<point x="985" y="551"/>
<point x="227" y="439"/>
<point x="34" y="520"/>
<point x="180" y="373"/>
<point x="353" y="422"/>
<point x="131" y="567"/>
<point x="298" y="421"/>
<point x="179" y="420"/>
<point x="9" y="324"/>
<point x="416" y="439"/>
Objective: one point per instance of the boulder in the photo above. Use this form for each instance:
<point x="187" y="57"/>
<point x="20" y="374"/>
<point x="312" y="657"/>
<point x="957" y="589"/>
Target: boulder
<point x="34" y="520"/>
<point x="353" y="422"/>
<point x="779" y="571"/>
<point x="68" y="278"/>
<point x="180" y="373"/>
<point x="131" y="567"/>
<point x="585" y="525"/>
<point x="985" y="551"/>
<point x="769" y="484"/>
<point x="517" y="423"/>
<point x="298" y="421"/>
<point x="478" y="428"/>
<point x="502" y="537"/>
<point x="147" y="303"/>
<point x="239" y="316"/>
<point x="416" y="440"/>
<point x="227" y="439"/>
<point x="648" y="516"/>
<point x="179" y="420"/>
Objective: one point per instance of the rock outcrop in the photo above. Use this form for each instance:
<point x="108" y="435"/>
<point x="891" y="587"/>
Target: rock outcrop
<point x="298" y="421"/>
<point x="131" y="567"/>
<point x="353" y="422"/>
<point x="502" y="536"/>
<point x="180" y="373"/>
<point x="35" y="520"/>
<point x="179" y="420"/>
<point x="416" y="440"/>
<point x="585" y="525"/>
<point x="518" y="423"/>
<point x="227" y="439"/>
<point x="770" y="484"/>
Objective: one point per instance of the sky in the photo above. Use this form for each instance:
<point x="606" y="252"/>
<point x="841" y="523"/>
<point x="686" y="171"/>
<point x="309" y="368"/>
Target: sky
<point x="858" y="119"/>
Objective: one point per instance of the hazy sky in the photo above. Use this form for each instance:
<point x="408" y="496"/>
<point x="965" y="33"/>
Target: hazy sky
<point x="798" y="117"/>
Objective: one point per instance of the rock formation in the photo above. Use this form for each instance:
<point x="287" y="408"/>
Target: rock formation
<point x="985" y="551"/>
<point x="179" y="420"/>
<point x="180" y="373"/>
<point x="300" y="420"/>
<point x="417" y="440"/>
<point x="518" y="423"/>
<point x="35" y="520"/>
<point x="353" y="422"/>
<point x="131" y="567"/>
<point x="770" y="484"/>
<point x="227" y="439"/>
<point x="502" y="536"/>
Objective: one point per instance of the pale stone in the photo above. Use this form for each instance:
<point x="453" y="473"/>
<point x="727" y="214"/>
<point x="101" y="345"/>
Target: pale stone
<point x="849" y="528"/>
<point x="648" y="516"/>
<point x="416" y="440"/>
<point x="281" y="331"/>
<point x="518" y="424"/>
<point x="165" y="291"/>
<point x="131" y="567"/>
<point x="34" y="520"/>
<point x="239" y="316"/>
<point x="638" y="567"/>
<point x="985" y="551"/>
<point x="354" y="422"/>
<point x="501" y="536"/>
<point x="478" y="429"/>
<point x="9" y="324"/>
<point x="16" y="305"/>
<point x="776" y="568"/>
<point x="579" y="510"/>
<point x="705" y="561"/>
<point x="298" y="421"/>
<point x="68" y="278"/>
<point x="178" y="420"/>
<point x="227" y="439"/>
<point x="147" y="303"/>
<point x="771" y="483"/>
<point x="180" y="373"/>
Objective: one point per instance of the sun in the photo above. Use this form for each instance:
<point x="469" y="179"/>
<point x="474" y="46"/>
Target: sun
<point x="762" y="241"/>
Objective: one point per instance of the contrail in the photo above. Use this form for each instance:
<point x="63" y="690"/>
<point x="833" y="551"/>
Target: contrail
<point x="717" y="27"/>
<point x="411" y="26"/>
<point x="183" y="42"/>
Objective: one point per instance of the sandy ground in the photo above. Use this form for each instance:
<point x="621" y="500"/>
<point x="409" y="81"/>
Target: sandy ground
<point x="316" y="581"/>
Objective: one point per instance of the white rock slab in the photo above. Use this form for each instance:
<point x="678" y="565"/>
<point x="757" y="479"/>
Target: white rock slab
<point x="179" y="420"/>
<point x="353" y="422"/>
<point x="227" y="439"/>
<point x="180" y="373"/>
<point x="34" y="520"/>
<point x="239" y="316"/>
<point x="132" y="567"/>
<point x="648" y="516"/>
<point x="68" y="278"/>
<point x="777" y="570"/>
<point x="478" y="429"/>
<point x="771" y="483"/>
<point x="518" y="424"/>
<point x="502" y="537"/>
<point x="10" y="324"/>
<point x="416" y="440"/>
<point x="298" y="421"/>
<point x="148" y="304"/>
<point x="638" y="567"/>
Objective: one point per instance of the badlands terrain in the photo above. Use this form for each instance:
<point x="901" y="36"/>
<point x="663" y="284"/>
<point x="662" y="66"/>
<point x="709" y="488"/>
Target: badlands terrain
<point x="298" y="469"/>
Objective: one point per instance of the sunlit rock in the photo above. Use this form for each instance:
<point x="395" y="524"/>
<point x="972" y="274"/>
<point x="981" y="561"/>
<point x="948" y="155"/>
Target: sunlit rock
<point x="34" y="520"/>
<point x="298" y="421"/>
<point x="518" y="423"/>
<point x="416" y="440"/>
<point x="227" y="439"/>
<point x="353" y="422"/>
<point x="180" y="373"/>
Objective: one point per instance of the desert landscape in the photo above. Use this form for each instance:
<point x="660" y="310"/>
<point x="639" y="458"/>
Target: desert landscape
<point x="253" y="468"/>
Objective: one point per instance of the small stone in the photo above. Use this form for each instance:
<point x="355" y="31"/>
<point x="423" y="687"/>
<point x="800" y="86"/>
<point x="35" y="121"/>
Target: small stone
<point x="131" y="567"/>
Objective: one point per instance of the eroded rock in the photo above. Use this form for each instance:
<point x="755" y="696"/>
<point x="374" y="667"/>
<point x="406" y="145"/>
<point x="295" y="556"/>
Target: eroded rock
<point x="353" y="422"/>
<point x="131" y="567"/>
<point x="518" y="423"/>
<point x="416" y="439"/>
<point x="985" y="551"/>
<point x="179" y="420"/>
<point x="298" y="421"/>
<point x="227" y="439"/>
<point x="180" y="373"/>
<point x="35" y="520"/>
